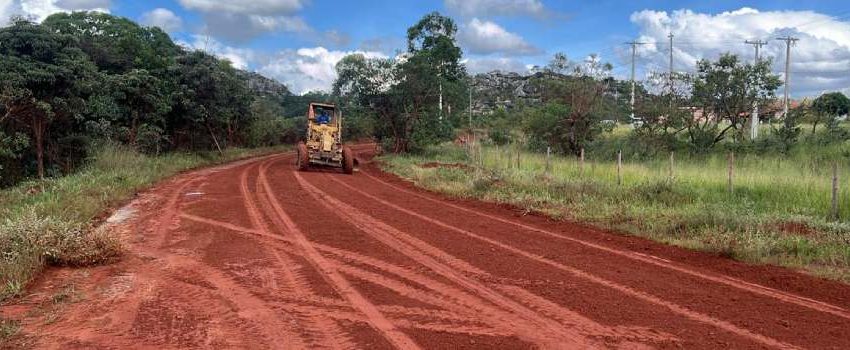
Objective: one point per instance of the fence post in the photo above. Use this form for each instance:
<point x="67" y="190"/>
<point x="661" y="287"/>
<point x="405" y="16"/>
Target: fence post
<point x="731" y="172"/>
<point x="481" y="155"/>
<point x="672" y="175"/>
<point x="835" y="190"/>
<point x="548" y="160"/>
<point x="518" y="162"/>
<point x="619" y="168"/>
<point x="581" y="163"/>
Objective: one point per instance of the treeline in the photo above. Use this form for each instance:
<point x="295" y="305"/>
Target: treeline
<point x="398" y="100"/>
<point x="81" y="78"/>
<point x="709" y="110"/>
<point x="420" y="98"/>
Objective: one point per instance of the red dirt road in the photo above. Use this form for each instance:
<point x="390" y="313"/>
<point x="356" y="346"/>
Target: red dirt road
<point x="257" y="255"/>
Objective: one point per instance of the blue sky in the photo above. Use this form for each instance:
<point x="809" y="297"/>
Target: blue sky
<point x="298" y="41"/>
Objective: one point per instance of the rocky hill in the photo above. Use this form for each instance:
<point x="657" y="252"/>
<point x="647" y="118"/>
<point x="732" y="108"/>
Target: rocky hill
<point x="263" y="86"/>
<point x="507" y="90"/>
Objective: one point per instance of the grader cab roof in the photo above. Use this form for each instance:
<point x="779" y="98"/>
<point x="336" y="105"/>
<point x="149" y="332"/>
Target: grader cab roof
<point x="315" y="106"/>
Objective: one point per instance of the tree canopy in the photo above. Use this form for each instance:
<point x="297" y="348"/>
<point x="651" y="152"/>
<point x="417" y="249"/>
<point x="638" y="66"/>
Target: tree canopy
<point x="86" y="77"/>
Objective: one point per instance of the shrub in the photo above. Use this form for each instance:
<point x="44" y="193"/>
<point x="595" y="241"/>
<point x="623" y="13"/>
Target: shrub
<point x="30" y="242"/>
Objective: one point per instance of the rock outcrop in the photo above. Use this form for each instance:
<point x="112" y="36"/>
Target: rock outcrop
<point x="263" y="86"/>
<point x="507" y="90"/>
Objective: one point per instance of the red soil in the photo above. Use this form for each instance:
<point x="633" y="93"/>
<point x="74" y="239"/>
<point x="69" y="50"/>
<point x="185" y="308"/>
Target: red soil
<point x="257" y="255"/>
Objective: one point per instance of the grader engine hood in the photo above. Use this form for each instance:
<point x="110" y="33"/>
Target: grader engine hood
<point x="327" y="139"/>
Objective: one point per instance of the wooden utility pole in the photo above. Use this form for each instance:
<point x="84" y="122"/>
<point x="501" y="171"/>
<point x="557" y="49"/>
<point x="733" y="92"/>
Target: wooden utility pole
<point x="788" y="42"/>
<point x="754" y="118"/>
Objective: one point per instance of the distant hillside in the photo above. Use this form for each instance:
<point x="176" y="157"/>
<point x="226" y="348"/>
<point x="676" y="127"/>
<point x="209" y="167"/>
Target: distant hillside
<point x="509" y="90"/>
<point x="263" y="86"/>
<point x="504" y="90"/>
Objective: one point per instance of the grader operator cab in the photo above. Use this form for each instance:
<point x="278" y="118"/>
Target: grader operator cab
<point x="323" y="146"/>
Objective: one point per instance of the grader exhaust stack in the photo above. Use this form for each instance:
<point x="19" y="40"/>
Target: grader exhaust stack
<point x="323" y="145"/>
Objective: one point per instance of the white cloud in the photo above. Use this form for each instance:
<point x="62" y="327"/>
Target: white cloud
<point x="308" y="69"/>
<point x="489" y="64"/>
<point x="239" y="57"/>
<point x="820" y="60"/>
<point x="249" y="7"/>
<point x="41" y="9"/>
<point x="8" y="8"/>
<point x="241" y="28"/>
<point x="486" y="37"/>
<point x="162" y="18"/>
<point x="240" y="21"/>
<point x="485" y="8"/>
<point x="84" y="4"/>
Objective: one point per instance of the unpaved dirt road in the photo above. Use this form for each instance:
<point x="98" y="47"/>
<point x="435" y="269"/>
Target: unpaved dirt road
<point x="256" y="255"/>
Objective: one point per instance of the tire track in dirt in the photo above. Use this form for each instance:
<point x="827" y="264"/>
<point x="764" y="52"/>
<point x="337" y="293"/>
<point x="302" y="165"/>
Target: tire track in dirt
<point x="534" y="327"/>
<point x="375" y="317"/>
<point x="343" y="263"/>
<point x="346" y="258"/>
<point x="648" y="259"/>
<point x="675" y="308"/>
<point x="324" y="330"/>
<point x="157" y="293"/>
<point x="250" y="308"/>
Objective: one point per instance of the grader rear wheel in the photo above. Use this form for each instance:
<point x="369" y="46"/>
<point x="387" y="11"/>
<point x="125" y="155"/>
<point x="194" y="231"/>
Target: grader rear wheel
<point x="347" y="161"/>
<point x="303" y="157"/>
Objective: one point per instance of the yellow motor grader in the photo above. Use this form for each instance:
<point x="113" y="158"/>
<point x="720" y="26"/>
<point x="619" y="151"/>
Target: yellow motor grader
<point x="323" y="145"/>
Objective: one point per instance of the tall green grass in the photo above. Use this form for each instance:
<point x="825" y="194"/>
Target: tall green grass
<point x="50" y="221"/>
<point x="779" y="212"/>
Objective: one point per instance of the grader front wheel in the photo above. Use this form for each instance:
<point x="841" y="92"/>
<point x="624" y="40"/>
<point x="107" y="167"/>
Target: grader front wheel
<point x="303" y="157"/>
<point x="347" y="161"/>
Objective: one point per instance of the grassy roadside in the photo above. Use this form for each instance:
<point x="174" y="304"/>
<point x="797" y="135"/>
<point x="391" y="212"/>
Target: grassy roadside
<point x="778" y="213"/>
<point x="50" y="222"/>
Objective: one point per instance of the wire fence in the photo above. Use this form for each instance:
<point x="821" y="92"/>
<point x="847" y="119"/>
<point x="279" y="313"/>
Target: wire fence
<point x="772" y="183"/>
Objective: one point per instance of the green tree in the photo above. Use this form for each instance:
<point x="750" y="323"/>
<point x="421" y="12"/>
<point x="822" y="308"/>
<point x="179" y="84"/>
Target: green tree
<point x="44" y="79"/>
<point x="144" y="102"/>
<point x="403" y="95"/>
<point x="577" y="104"/>
<point x="269" y="127"/>
<point x="211" y="96"/>
<point x="432" y="40"/>
<point x="827" y="108"/>
<point x="138" y="84"/>
<point x="724" y="92"/>
<point x="117" y="45"/>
